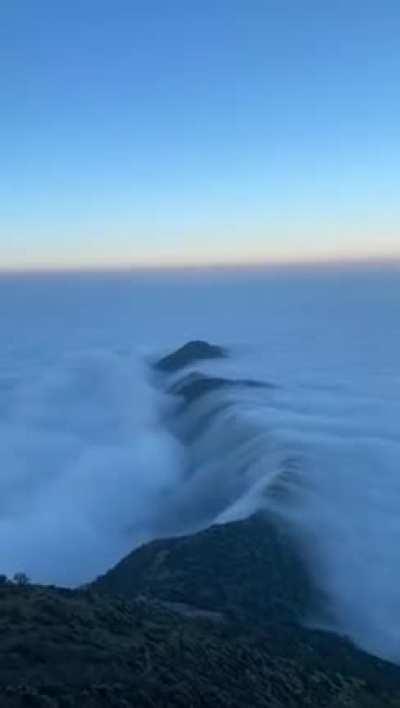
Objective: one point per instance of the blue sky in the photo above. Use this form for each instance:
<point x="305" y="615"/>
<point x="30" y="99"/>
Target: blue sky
<point x="154" y="131"/>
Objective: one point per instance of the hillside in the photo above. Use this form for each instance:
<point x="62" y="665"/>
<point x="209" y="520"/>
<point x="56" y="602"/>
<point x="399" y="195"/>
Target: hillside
<point x="77" y="648"/>
<point x="248" y="570"/>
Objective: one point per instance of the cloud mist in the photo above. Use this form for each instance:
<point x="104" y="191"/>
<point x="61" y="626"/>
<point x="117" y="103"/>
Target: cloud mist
<point x="94" y="460"/>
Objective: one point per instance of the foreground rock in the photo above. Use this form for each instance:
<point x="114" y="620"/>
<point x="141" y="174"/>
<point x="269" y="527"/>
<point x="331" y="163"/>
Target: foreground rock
<point x="189" y="354"/>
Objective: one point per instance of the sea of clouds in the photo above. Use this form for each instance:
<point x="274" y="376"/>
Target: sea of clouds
<point x="91" y="465"/>
<point x="84" y="468"/>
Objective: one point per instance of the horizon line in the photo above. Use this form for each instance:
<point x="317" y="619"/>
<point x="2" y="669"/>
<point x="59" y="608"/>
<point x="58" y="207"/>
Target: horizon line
<point x="217" y="265"/>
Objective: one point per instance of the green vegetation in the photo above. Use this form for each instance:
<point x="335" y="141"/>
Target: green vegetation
<point x="77" y="648"/>
<point x="206" y="620"/>
<point x="249" y="570"/>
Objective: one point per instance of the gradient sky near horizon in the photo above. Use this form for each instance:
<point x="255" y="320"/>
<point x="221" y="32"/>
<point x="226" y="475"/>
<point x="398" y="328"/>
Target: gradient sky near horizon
<point x="175" y="131"/>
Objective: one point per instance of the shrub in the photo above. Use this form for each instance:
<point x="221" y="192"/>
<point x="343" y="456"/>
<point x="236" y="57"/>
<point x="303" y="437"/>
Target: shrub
<point x="21" y="579"/>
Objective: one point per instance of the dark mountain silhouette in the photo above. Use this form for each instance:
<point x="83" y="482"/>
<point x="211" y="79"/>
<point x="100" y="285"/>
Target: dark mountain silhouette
<point x="189" y="354"/>
<point x="195" y="385"/>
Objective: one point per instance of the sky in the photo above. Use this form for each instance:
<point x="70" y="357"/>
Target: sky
<point x="146" y="132"/>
